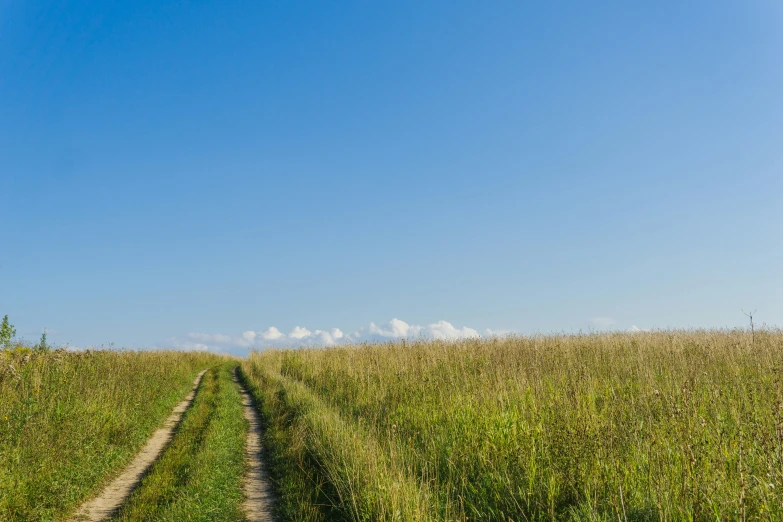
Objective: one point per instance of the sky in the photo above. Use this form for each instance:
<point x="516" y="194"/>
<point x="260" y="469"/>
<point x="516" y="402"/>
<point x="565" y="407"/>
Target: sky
<point x="235" y="175"/>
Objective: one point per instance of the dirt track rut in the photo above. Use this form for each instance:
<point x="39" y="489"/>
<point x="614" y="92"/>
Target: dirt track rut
<point x="259" y="499"/>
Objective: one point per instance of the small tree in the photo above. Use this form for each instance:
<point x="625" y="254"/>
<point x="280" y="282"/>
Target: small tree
<point x="42" y="345"/>
<point x="7" y="333"/>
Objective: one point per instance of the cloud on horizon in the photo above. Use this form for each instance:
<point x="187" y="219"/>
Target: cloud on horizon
<point x="272" y="337"/>
<point x="299" y="336"/>
<point x="635" y="329"/>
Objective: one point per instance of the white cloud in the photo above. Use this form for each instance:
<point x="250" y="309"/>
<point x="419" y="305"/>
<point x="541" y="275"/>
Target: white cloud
<point x="394" y="329"/>
<point x="634" y="329"/>
<point x="398" y="329"/>
<point x="497" y="333"/>
<point x="322" y="338"/>
<point x="602" y="322"/>
<point x="445" y="330"/>
<point x="300" y="336"/>
<point x="299" y="333"/>
<point x="271" y="334"/>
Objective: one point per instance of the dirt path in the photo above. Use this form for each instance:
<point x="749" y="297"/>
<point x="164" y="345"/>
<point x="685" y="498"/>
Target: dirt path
<point x="117" y="492"/>
<point x="258" y="492"/>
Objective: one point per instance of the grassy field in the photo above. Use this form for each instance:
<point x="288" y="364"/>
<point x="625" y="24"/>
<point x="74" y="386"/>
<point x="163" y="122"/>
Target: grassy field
<point x="682" y="425"/>
<point x="198" y="477"/>
<point x="70" y="421"/>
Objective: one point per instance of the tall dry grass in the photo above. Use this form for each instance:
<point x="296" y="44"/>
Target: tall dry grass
<point x="671" y="425"/>
<point x="69" y="421"/>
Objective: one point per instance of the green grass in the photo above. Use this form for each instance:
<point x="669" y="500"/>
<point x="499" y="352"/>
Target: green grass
<point x="199" y="474"/>
<point x="326" y="468"/>
<point x="69" y="422"/>
<point x="684" y="425"/>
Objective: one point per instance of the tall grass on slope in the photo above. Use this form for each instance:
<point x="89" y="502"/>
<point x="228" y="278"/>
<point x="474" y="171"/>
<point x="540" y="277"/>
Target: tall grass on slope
<point x="199" y="475"/>
<point x="70" y="421"/>
<point x="684" y="425"/>
<point x="325" y="468"/>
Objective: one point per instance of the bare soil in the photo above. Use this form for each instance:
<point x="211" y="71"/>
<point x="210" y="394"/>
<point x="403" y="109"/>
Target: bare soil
<point x="259" y="499"/>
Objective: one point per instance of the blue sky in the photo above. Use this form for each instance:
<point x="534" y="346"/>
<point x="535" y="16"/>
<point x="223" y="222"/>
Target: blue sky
<point x="181" y="173"/>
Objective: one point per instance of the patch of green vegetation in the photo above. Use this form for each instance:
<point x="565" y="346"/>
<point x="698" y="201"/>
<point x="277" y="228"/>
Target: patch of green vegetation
<point x="69" y="422"/>
<point x="199" y="475"/>
<point x="671" y="425"/>
<point x="326" y="469"/>
<point x="7" y="332"/>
